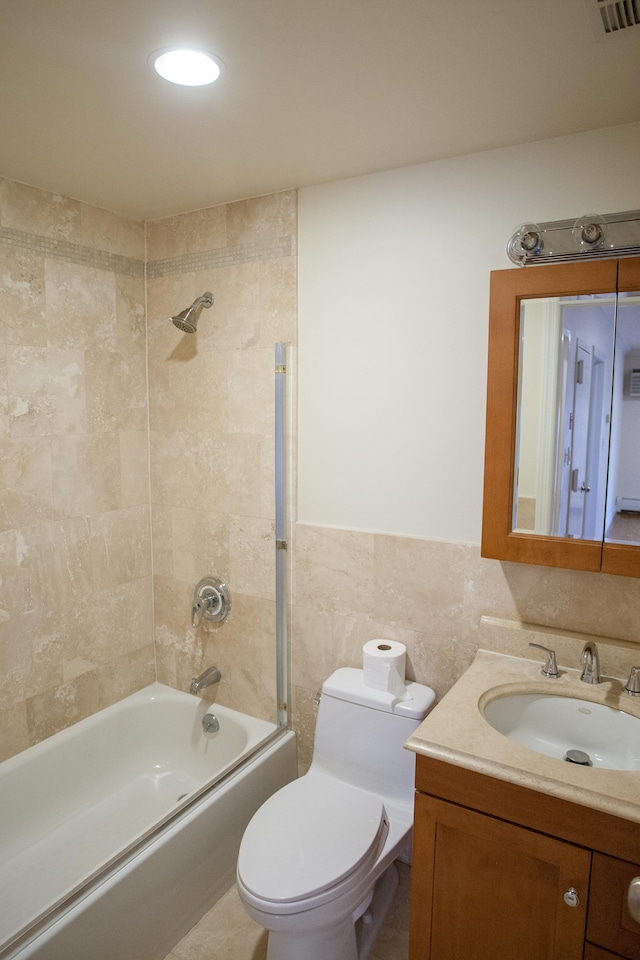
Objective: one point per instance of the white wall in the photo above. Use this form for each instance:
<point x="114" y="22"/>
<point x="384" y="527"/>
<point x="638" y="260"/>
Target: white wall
<point x="393" y="305"/>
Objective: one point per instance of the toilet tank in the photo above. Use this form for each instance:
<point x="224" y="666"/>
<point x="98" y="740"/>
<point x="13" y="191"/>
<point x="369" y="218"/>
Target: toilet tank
<point x="360" y="734"/>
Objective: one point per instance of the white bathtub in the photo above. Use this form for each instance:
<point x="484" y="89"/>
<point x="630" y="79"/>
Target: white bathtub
<point x="117" y="834"/>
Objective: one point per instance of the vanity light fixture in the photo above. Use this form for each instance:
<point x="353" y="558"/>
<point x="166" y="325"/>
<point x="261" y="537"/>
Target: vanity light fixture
<point x="190" y="68"/>
<point x="590" y="237"/>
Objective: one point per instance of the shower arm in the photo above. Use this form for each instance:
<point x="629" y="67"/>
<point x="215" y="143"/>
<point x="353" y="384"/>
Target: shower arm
<point x="205" y="300"/>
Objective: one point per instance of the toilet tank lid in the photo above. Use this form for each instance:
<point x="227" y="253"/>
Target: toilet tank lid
<point x="347" y="683"/>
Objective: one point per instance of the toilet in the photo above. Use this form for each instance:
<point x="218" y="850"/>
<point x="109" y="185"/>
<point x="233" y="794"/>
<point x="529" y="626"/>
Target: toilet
<point x="316" y="862"/>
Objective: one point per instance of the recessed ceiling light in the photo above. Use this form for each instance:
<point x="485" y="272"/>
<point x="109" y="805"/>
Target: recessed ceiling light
<point x="191" y="68"/>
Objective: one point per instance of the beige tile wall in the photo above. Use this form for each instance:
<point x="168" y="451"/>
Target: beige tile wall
<point x="76" y="620"/>
<point x="212" y="428"/>
<point x="75" y="589"/>
<point x="351" y="587"/>
<point x="75" y="610"/>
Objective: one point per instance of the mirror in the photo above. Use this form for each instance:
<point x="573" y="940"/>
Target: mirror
<point x="562" y="460"/>
<point x="565" y="375"/>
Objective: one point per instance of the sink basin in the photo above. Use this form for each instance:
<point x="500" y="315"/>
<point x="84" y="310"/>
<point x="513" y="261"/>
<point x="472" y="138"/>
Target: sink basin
<point x="596" y="735"/>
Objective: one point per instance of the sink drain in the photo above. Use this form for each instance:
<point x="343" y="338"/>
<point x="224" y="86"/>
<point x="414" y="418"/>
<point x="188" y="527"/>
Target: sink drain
<point x="579" y="757"/>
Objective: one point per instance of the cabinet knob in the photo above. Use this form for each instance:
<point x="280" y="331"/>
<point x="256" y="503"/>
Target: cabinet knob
<point x="633" y="899"/>
<point x="572" y="899"/>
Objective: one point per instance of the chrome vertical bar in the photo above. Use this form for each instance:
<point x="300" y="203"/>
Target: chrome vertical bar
<point x="282" y="620"/>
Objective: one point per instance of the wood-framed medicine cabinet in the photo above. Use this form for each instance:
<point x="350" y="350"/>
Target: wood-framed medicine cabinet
<point x="562" y="453"/>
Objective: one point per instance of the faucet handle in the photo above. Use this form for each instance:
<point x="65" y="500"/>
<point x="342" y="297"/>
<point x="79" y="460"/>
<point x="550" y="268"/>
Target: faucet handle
<point x="550" y="669"/>
<point x="633" y="683"/>
<point x="201" y="605"/>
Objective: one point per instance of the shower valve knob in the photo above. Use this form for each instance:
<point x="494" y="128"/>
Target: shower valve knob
<point x="211" y="601"/>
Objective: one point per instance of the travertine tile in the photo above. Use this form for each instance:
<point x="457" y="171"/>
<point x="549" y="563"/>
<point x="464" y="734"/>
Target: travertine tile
<point x="73" y="391"/>
<point x="5" y="425"/>
<point x="46" y="391"/>
<point x="14" y="733"/>
<point x="262" y="218"/>
<point x="392" y="943"/>
<point x="226" y="932"/>
<point x="55" y="562"/>
<point x="104" y="230"/>
<point x="418" y="582"/>
<point x="14" y="590"/>
<point x="254" y="305"/>
<point x="123" y="676"/>
<point x="116" y="394"/>
<point x="251" y="375"/>
<point x="22" y="301"/>
<point x="26" y="482"/>
<point x="334" y="570"/>
<point x="121" y="545"/>
<point x="39" y="212"/>
<point x="252" y="562"/>
<point x="305" y="711"/>
<point x="80" y="306"/>
<point x="244" y="650"/>
<point x="134" y="467"/>
<point x="197" y="394"/>
<point x="187" y="233"/>
<point x="131" y="323"/>
<point x="30" y="656"/>
<point x="86" y="474"/>
<point x="124" y="626"/>
<point x="60" y="706"/>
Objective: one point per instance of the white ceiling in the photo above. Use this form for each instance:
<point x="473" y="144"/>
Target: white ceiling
<point x="313" y="90"/>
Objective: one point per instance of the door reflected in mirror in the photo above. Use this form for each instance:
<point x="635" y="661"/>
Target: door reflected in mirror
<point x="577" y="454"/>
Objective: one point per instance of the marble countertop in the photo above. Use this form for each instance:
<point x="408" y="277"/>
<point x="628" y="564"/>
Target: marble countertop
<point x="456" y="732"/>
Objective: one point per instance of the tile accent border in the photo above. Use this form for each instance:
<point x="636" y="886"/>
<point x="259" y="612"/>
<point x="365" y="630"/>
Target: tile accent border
<point x="72" y="252"/>
<point x="103" y="260"/>
<point x="221" y="257"/>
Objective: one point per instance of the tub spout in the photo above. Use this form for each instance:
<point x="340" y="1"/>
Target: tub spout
<point x="210" y="676"/>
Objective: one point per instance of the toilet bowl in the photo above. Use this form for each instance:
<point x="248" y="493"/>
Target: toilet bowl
<point x="315" y="866"/>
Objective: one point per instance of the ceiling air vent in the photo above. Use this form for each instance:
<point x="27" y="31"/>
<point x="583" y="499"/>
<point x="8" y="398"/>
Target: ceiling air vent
<point x="611" y="18"/>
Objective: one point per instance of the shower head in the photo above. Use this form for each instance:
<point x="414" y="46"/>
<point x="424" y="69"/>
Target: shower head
<point x="187" y="320"/>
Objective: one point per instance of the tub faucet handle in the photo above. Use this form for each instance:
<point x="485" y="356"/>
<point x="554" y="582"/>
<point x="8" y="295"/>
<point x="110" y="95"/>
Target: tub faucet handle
<point x="550" y="669"/>
<point x="211" y="601"/>
<point x="200" y="606"/>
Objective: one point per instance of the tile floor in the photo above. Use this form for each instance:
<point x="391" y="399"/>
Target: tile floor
<point x="227" y="933"/>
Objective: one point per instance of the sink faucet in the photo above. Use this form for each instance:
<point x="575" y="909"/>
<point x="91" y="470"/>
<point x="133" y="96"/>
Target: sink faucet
<point x="590" y="663"/>
<point x="210" y="676"/>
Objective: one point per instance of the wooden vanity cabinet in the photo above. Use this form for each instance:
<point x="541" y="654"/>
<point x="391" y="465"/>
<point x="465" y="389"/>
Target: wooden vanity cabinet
<point x="501" y="872"/>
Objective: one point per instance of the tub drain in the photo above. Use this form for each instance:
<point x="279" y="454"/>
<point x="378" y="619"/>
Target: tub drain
<point x="579" y="757"/>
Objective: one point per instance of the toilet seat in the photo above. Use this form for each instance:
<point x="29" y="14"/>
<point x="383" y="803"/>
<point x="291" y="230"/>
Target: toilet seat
<point x="310" y="837"/>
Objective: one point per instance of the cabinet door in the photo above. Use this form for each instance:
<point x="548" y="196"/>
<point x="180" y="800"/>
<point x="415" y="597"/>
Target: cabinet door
<point x="484" y="889"/>
<point x="610" y="923"/>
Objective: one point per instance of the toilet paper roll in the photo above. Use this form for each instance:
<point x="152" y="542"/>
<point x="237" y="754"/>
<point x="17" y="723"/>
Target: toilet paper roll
<point x="383" y="663"/>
